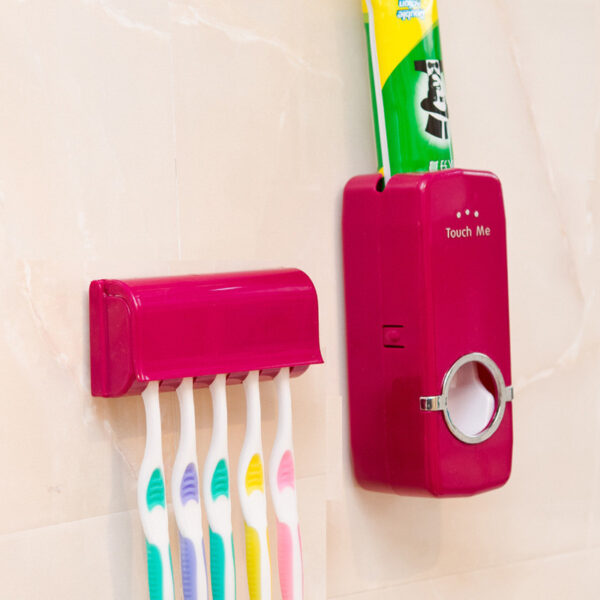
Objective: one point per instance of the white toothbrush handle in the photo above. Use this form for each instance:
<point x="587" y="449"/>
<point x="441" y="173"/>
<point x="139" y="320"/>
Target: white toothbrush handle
<point x="217" y="499"/>
<point x="251" y="487"/>
<point x="283" y="492"/>
<point x="152" y="504"/>
<point x="186" y="500"/>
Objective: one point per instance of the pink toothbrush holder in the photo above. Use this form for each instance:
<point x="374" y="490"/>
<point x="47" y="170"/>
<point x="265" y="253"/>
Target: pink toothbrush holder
<point x="165" y="329"/>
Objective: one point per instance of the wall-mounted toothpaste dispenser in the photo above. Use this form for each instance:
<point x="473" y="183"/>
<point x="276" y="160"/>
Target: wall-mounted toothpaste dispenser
<point x="210" y="330"/>
<point x="428" y="332"/>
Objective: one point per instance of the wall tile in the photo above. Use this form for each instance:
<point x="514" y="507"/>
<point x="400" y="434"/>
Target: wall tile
<point x="148" y="137"/>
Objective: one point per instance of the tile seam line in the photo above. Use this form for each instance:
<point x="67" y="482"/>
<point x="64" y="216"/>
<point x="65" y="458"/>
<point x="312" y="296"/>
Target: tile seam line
<point x="541" y="558"/>
<point x="20" y="532"/>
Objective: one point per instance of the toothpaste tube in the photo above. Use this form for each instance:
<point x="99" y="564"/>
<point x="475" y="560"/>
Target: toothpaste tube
<point x="407" y="83"/>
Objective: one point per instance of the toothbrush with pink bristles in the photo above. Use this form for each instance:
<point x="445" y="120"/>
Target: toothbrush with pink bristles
<point x="282" y="482"/>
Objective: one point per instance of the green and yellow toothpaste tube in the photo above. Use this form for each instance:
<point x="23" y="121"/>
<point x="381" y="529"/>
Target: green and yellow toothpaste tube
<point x="407" y="83"/>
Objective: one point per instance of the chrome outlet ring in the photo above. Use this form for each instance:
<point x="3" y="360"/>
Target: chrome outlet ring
<point x="440" y="403"/>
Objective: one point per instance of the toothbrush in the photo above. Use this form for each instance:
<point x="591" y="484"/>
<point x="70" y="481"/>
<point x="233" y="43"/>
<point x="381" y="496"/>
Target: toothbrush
<point x="251" y="487"/>
<point x="186" y="500"/>
<point x="283" y="492"/>
<point x="217" y="500"/>
<point x="151" y="502"/>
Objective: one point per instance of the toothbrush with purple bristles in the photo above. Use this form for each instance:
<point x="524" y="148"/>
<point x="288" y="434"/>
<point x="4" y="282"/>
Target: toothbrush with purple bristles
<point x="186" y="500"/>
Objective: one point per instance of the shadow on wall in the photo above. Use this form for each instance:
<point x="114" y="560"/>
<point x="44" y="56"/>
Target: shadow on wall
<point x="395" y="536"/>
<point x="120" y="535"/>
<point x="122" y="421"/>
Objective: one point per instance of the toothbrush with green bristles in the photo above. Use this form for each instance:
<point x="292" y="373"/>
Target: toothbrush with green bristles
<point x="217" y="498"/>
<point x="152" y="504"/>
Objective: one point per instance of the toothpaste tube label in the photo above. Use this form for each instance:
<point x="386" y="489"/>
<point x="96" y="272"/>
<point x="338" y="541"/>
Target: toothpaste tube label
<point x="413" y="93"/>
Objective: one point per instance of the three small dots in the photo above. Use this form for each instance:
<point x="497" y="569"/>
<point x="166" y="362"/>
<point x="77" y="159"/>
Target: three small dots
<point x="467" y="213"/>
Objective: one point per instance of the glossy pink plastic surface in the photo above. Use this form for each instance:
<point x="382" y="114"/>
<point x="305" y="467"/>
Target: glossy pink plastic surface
<point x="165" y="329"/>
<point x="285" y="561"/>
<point x="426" y="283"/>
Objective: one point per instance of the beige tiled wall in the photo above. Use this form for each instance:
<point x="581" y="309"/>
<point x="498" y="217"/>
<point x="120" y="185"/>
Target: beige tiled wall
<point x="149" y="137"/>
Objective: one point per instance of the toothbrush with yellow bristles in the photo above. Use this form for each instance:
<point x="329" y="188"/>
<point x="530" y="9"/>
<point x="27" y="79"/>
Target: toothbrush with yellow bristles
<point x="251" y="486"/>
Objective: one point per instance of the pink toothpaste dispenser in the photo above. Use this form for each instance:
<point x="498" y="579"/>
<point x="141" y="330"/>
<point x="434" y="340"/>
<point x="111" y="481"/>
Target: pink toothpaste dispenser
<point x="428" y="333"/>
<point x="164" y="329"/>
